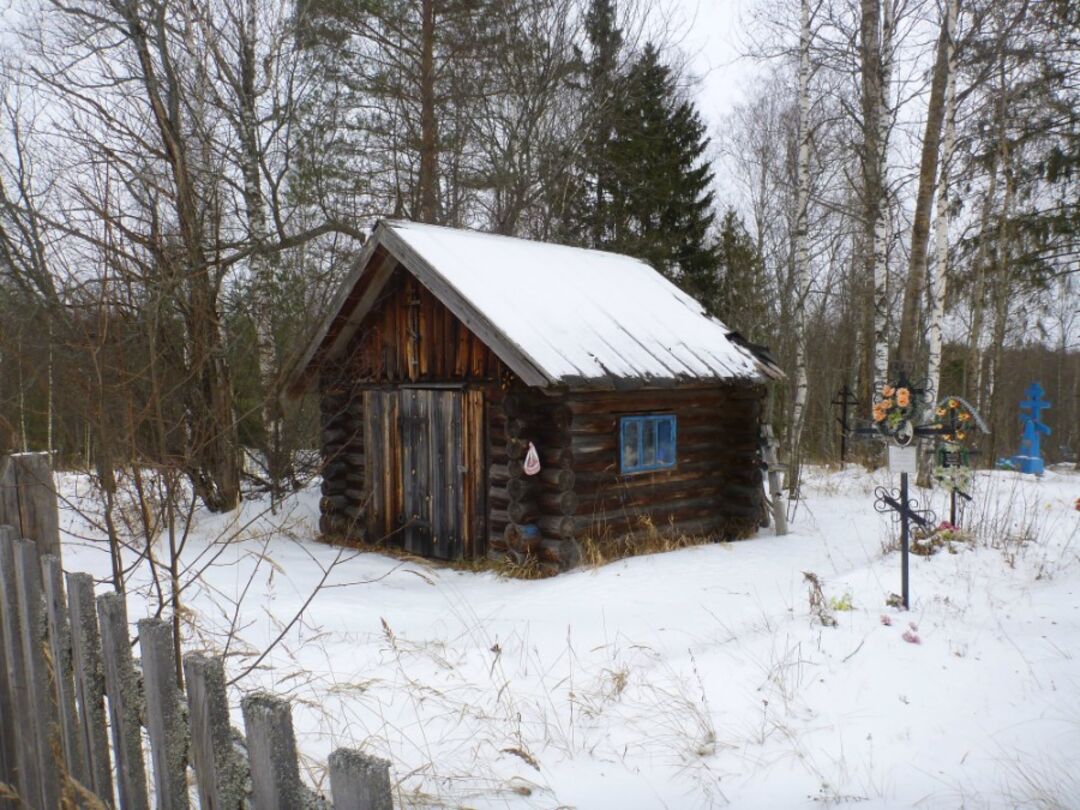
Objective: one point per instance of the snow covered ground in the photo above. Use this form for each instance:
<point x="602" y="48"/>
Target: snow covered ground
<point x="696" y="678"/>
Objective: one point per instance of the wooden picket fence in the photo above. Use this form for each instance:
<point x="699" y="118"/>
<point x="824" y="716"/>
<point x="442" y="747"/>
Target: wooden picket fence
<point x="64" y="657"/>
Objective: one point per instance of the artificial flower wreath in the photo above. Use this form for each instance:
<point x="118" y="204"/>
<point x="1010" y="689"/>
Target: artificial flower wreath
<point x="894" y="412"/>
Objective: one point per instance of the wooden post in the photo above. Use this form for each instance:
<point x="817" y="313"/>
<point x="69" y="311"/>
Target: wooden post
<point x="17" y="711"/>
<point x="271" y="744"/>
<point x="164" y="714"/>
<point x="56" y="613"/>
<point x="89" y="684"/>
<point x="44" y="726"/>
<point x="359" y="782"/>
<point x="121" y="686"/>
<point x="28" y="499"/>
<point x="218" y="769"/>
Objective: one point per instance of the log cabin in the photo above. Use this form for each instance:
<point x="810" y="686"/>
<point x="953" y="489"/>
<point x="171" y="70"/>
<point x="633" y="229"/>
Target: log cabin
<point x="450" y="362"/>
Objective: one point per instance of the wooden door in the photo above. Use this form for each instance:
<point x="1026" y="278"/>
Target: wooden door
<point x="434" y="472"/>
<point x="424" y="470"/>
<point x="382" y="466"/>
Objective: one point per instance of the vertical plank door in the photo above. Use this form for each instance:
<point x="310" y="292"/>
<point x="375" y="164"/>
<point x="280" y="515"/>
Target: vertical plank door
<point x="434" y="472"/>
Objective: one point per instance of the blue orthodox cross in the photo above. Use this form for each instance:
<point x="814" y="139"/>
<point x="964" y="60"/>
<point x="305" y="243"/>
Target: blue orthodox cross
<point x="1030" y="459"/>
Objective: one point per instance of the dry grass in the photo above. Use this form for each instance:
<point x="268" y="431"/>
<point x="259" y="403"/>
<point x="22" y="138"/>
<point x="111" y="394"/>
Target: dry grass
<point x="601" y="546"/>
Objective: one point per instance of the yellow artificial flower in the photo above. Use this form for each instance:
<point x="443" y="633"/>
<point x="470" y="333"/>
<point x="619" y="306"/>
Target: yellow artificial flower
<point x="953" y="403"/>
<point x="941" y="411"/>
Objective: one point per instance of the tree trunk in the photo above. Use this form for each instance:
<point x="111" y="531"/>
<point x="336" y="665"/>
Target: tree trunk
<point x="973" y="364"/>
<point x="428" y="180"/>
<point x="802" y="252"/>
<point x="263" y="263"/>
<point x="214" y="461"/>
<point x="920" y="229"/>
<point x="938" y="280"/>
<point x="875" y="47"/>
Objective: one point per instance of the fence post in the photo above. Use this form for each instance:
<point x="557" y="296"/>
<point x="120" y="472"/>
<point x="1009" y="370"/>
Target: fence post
<point x="164" y="714"/>
<point x="121" y="685"/>
<point x="14" y="703"/>
<point x="56" y="614"/>
<point x="271" y="744"/>
<point x="44" y="726"/>
<point x="28" y="499"/>
<point x="219" y="771"/>
<point x="89" y="684"/>
<point x="359" y="782"/>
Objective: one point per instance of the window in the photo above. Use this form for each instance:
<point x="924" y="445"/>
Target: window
<point x="646" y="443"/>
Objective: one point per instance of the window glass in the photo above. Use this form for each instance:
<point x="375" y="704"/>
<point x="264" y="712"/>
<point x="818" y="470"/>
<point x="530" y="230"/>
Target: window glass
<point x="665" y="441"/>
<point x="647" y="442"/>
<point x="631" y="433"/>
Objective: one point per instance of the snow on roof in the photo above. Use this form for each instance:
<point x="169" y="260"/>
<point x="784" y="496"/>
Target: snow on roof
<point x="561" y="315"/>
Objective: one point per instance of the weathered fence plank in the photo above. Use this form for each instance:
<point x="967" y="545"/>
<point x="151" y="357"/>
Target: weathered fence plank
<point x="13" y="703"/>
<point x="9" y="495"/>
<point x="45" y="727"/>
<point x="28" y="499"/>
<point x="122" y="688"/>
<point x="165" y="719"/>
<point x="271" y="745"/>
<point x="359" y="782"/>
<point x="56" y="614"/>
<point x="219" y="771"/>
<point x="89" y="685"/>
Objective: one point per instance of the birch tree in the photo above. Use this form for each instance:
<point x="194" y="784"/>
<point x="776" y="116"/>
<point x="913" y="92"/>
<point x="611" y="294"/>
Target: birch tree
<point x="876" y="51"/>
<point x="802" y="248"/>
<point x="924" y="199"/>
<point x="938" y="279"/>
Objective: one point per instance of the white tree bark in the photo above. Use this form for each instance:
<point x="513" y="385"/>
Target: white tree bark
<point x="881" y="223"/>
<point x="802" y="251"/>
<point x="939" y="277"/>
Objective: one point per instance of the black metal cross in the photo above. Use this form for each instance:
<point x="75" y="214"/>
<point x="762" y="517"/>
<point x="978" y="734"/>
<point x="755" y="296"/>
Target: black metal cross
<point x="844" y="399"/>
<point x="903" y="434"/>
<point x="905" y="509"/>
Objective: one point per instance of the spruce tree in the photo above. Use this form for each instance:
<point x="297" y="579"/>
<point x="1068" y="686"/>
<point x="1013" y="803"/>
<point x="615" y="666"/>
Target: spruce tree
<point x="660" y="206"/>
<point x="741" y="299"/>
<point x="587" y="215"/>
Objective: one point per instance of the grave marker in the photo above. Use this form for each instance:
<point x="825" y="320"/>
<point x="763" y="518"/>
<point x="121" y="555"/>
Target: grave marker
<point x="896" y="413"/>
<point x="1029" y="459"/>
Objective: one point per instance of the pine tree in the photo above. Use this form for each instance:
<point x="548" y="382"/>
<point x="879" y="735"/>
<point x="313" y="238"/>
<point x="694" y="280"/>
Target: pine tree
<point x="660" y="205"/>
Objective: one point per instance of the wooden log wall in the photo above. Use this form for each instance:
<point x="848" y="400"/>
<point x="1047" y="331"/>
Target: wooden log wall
<point x="530" y="517"/>
<point x="408" y="337"/>
<point x="713" y="491"/>
<point x="343" y="499"/>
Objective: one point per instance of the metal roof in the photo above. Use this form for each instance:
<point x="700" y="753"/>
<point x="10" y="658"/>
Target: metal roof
<point x="557" y="316"/>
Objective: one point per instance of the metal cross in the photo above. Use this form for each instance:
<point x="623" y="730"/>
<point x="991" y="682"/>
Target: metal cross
<point x="844" y="399"/>
<point x="905" y="510"/>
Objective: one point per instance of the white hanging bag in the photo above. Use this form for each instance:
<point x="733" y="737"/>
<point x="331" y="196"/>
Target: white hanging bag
<point x="532" y="460"/>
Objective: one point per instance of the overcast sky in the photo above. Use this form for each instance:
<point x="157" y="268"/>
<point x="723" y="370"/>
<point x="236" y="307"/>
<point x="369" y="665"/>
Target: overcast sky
<point x="712" y="41"/>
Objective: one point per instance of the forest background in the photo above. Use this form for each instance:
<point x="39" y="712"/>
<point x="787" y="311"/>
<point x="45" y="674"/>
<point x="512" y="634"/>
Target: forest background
<point x="182" y="182"/>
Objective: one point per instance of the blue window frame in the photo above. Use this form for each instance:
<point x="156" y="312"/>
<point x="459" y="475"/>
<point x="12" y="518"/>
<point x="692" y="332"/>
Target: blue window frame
<point x="647" y="443"/>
